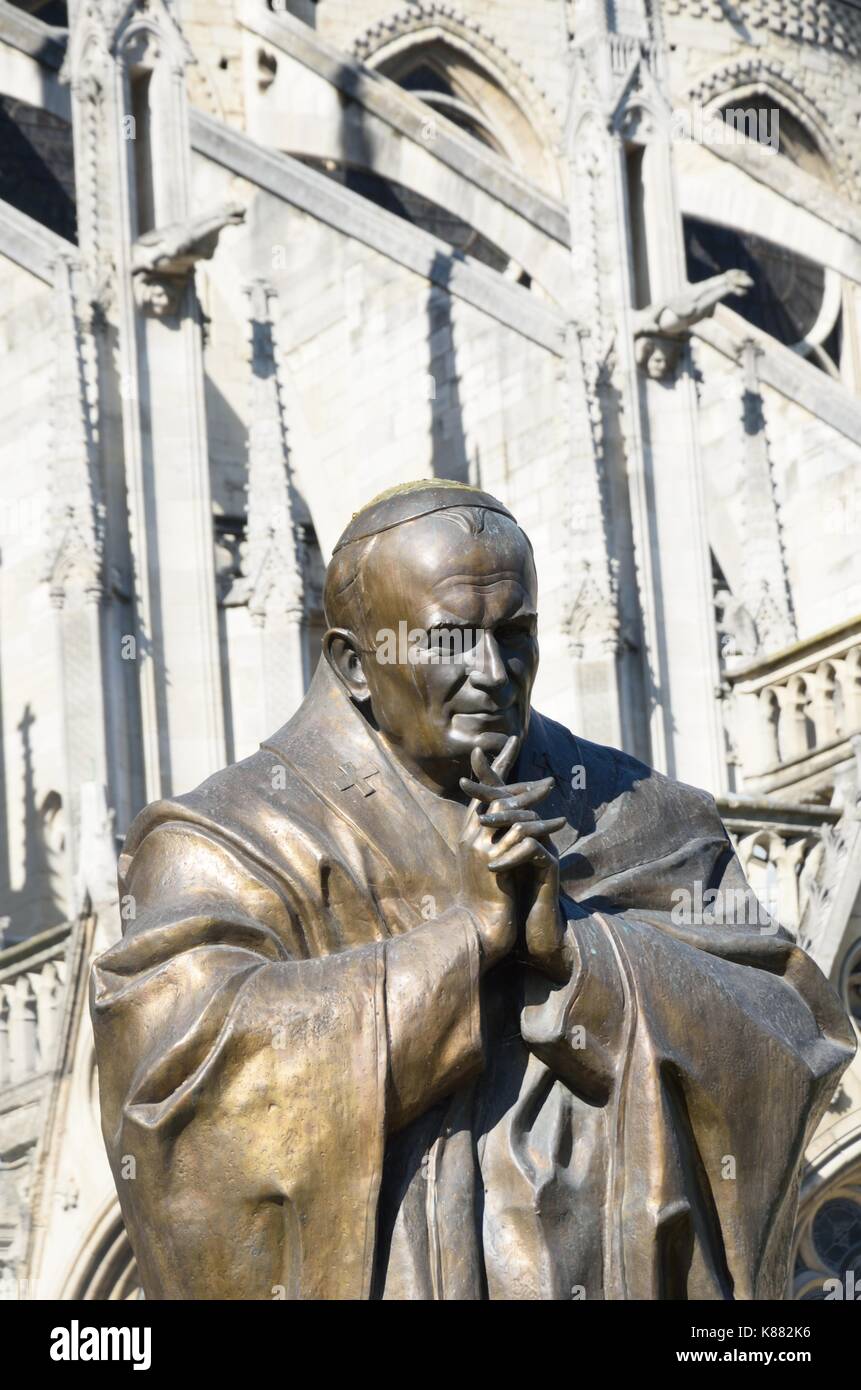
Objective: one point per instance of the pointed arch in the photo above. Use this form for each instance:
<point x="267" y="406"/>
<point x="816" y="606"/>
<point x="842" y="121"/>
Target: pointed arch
<point x="105" y="1269"/>
<point x="742" y="82"/>
<point x="479" y="85"/>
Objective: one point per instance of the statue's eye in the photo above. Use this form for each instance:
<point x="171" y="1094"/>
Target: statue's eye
<point x="515" y="632"/>
<point x="451" y="641"/>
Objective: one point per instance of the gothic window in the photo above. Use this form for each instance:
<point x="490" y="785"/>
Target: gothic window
<point x="140" y="82"/>
<point x="837" y="1235"/>
<point x="637" y="214"/>
<point x="795" y="300"/>
<point x="788" y="299"/>
<point x="306" y="10"/>
<point x="37" y="171"/>
<point x="466" y="81"/>
<point x="828" y="1264"/>
<point x="110" y="1272"/>
<point x="760" y="117"/>
<point x="430" y="84"/>
<point x="454" y="81"/>
<point x="850" y="981"/>
<point x="53" y="12"/>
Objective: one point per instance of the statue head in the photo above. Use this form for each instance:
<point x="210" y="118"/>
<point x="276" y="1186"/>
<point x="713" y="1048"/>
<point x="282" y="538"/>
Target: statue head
<point x="159" y="295"/>
<point x="431" y="601"/>
<point x="657" y="356"/>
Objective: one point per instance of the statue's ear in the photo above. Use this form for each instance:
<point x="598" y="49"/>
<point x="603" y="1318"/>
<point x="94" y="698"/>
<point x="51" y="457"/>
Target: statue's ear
<point x="344" y="655"/>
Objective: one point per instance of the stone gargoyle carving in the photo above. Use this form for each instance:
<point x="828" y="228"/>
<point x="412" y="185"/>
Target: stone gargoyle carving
<point x="659" y="328"/>
<point x="163" y="257"/>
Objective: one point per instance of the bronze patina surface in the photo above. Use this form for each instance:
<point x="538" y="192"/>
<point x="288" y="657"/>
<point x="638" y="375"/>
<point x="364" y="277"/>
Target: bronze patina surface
<point x="412" y="1005"/>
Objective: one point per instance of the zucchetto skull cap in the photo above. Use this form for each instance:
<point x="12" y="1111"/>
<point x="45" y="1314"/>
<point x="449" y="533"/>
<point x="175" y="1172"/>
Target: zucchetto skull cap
<point x="408" y="501"/>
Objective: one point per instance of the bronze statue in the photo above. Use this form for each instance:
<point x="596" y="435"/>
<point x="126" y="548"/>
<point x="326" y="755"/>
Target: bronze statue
<point x="422" y="1001"/>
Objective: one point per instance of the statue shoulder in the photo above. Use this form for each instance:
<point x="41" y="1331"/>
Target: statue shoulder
<point x="256" y="810"/>
<point x="609" y="774"/>
<point x="602" y="771"/>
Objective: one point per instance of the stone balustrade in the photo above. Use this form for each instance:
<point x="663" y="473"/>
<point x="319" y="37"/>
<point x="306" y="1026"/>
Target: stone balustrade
<point x="795" y="714"/>
<point x="780" y="849"/>
<point x="32" y="980"/>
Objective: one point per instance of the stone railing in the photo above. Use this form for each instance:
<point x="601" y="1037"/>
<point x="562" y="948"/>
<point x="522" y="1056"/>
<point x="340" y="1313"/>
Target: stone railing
<point x="626" y="50"/>
<point x="32" y="980"/>
<point x="780" y="849"/>
<point x="795" y="714"/>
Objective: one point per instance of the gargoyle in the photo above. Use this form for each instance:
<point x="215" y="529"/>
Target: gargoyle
<point x="695" y="302"/>
<point x="174" y="249"/>
<point x="658" y="328"/>
<point x="736" y="628"/>
<point x="163" y="258"/>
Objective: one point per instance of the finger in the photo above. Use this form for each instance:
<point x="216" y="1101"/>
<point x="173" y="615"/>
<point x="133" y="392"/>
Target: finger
<point x="483" y="770"/>
<point x="537" y="827"/>
<point x="508" y="804"/>
<point x="540" y="828"/>
<point x="509" y="841"/>
<point x="505" y="760"/>
<point x="492" y="818"/>
<point x="527" y="852"/>
<point x="494" y="774"/>
<point x="533" y="830"/>
<point x="533" y="791"/>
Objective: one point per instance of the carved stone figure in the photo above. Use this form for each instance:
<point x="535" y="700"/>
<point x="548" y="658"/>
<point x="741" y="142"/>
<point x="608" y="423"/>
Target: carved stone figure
<point x="659" y="328"/>
<point x="163" y="258"/>
<point x="174" y="249"/>
<point x="694" y="303"/>
<point x="431" y="998"/>
<point x="658" y="355"/>
<point x="736" y="628"/>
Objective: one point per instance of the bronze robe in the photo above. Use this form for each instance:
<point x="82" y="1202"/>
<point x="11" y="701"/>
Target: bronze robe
<point x="323" y="1099"/>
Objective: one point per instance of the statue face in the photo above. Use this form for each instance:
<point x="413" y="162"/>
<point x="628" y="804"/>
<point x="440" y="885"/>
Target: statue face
<point x="658" y="364"/>
<point x="451" y="651"/>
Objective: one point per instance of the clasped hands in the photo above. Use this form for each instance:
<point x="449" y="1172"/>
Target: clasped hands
<point x="509" y="866"/>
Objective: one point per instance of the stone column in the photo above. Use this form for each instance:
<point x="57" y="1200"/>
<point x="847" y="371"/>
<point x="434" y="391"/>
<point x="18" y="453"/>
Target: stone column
<point x="274" y="554"/>
<point x="132" y="62"/>
<point x="765" y="591"/>
<point x="592" y="620"/>
<point x="74" y="565"/>
<point x="679" y="525"/>
<point x="658" y="522"/>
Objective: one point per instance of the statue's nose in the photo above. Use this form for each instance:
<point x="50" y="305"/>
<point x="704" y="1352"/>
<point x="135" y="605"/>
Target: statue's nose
<point x="489" y="670"/>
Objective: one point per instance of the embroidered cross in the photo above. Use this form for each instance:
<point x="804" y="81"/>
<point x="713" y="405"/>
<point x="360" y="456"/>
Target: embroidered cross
<point x="351" y="778"/>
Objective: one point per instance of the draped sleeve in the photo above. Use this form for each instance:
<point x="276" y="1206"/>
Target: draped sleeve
<point x="248" y="1079"/>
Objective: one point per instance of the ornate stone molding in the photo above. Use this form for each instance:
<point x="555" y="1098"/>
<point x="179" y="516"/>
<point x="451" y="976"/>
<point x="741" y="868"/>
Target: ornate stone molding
<point x="828" y="1250"/>
<point x="822" y="25"/>
<point x="737" y="634"/>
<point x="790" y="86"/>
<point x="272" y="558"/>
<point x="766" y="592"/>
<point x="77" y="524"/>
<point x="370" y="47"/>
<point x="591" y="623"/>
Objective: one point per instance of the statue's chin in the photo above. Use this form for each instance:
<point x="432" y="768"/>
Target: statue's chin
<point x="490" y="736"/>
